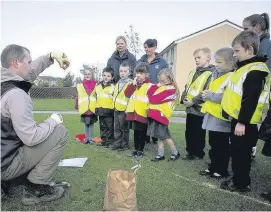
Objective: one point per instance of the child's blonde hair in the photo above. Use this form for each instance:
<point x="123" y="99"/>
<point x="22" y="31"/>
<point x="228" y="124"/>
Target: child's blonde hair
<point x="205" y="50"/>
<point x="228" y="55"/>
<point x="168" y="73"/>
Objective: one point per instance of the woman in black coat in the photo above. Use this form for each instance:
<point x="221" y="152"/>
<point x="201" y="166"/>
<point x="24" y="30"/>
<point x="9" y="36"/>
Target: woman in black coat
<point x="119" y="56"/>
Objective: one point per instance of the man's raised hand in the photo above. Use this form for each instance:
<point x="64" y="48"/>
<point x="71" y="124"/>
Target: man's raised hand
<point x="61" y="58"/>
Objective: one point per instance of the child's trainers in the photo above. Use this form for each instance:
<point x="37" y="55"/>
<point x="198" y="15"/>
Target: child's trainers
<point x="140" y="154"/>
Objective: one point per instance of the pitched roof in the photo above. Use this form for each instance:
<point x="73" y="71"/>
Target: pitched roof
<point x="222" y="23"/>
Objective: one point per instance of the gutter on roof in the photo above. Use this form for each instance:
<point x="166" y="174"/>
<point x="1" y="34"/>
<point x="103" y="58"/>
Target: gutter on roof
<point x="168" y="47"/>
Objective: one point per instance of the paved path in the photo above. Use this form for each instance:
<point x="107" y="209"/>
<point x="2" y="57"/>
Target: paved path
<point x="173" y="119"/>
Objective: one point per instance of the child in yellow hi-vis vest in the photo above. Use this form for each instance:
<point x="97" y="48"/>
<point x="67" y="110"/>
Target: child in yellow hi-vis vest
<point x="86" y="103"/>
<point x="162" y="101"/>
<point x="121" y="129"/>
<point x="244" y="100"/>
<point x="105" y="107"/>
<point x="137" y="107"/>
<point x="219" y="128"/>
<point x="192" y="100"/>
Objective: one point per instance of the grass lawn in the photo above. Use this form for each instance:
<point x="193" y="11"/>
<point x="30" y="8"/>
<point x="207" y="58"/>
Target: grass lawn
<point x="64" y="104"/>
<point x="160" y="186"/>
<point x="54" y="104"/>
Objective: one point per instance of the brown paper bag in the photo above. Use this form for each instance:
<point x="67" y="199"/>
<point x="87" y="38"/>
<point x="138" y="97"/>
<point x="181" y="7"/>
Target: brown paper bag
<point x="120" y="191"/>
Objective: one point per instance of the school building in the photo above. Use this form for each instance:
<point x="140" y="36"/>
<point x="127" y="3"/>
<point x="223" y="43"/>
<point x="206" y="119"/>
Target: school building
<point x="179" y="54"/>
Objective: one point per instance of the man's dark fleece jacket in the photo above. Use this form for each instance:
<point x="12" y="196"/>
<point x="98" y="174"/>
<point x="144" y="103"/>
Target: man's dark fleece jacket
<point x="252" y="89"/>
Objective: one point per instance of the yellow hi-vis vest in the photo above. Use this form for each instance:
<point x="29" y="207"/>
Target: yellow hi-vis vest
<point x="85" y="102"/>
<point x="105" y="96"/>
<point x="166" y="109"/>
<point x="217" y="86"/>
<point x="139" y="101"/>
<point x="232" y="98"/>
<point x="120" y="100"/>
<point x="196" y="87"/>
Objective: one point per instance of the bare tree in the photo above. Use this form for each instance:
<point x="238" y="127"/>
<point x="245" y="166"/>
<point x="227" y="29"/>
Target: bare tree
<point x="68" y="80"/>
<point x="133" y="41"/>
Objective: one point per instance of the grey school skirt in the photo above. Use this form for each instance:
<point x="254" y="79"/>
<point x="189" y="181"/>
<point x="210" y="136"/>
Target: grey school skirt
<point x="158" y="130"/>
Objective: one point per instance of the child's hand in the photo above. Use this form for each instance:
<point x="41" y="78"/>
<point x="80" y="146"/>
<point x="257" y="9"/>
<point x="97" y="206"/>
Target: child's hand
<point x="240" y="129"/>
<point x="188" y="103"/>
<point x="159" y="84"/>
<point x="205" y="93"/>
<point x="135" y="82"/>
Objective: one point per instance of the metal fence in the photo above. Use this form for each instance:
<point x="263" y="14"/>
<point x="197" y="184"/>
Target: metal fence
<point x="53" y="93"/>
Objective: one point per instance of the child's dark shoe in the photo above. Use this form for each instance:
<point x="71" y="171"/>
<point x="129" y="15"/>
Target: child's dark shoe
<point x="140" y="154"/>
<point x="174" y="157"/>
<point x="189" y="157"/>
<point x="158" y="158"/>
<point x="133" y="153"/>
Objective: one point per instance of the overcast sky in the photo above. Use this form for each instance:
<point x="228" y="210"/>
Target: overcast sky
<point x="86" y="30"/>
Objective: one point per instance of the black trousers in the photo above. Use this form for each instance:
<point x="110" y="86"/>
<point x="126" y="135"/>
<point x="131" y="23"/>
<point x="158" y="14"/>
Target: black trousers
<point x="240" y="150"/>
<point x="195" y="135"/>
<point x="219" y="153"/>
<point x="140" y="138"/>
<point x="121" y="130"/>
<point x="107" y="128"/>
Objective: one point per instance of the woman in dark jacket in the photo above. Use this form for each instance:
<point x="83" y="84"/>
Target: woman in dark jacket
<point x="260" y="24"/>
<point x="156" y="62"/>
<point x="119" y="56"/>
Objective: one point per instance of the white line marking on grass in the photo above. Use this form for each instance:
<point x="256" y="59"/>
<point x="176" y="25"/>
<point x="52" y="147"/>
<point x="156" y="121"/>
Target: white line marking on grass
<point x="208" y="185"/>
<point x="211" y="186"/>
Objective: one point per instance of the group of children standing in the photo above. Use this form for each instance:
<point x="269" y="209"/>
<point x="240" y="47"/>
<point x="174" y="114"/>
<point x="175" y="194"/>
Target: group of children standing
<point x="136" y="104"/>
<point x="227" y="99"/>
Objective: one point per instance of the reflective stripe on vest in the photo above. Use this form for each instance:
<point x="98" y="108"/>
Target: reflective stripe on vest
<point x="166" y="109"/>
<point x="85" y="102"/>
<point x="196" y="87"/>
<point x="217" y="86"/>
<point x="139" y="101"/>
<point x="120" y="100"/>
<point x="105" y="96"/>
<point x="232" y="98"/>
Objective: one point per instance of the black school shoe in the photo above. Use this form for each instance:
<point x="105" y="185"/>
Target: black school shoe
<point x="133" y="154"/>
<point x="191" y="157"/>
<point x="229" y="185"/>
<point x="158" y="158"/>
<point x="36" y="193"/>
<point x="266" y="196"/>
<point x="125" y="148"/>
<point x="140" y="154"/>
<point x="174" y="157"/>
<point x="115" y="147"/>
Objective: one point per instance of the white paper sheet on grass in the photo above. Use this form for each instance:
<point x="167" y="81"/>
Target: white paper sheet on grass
<point x="73" y="162"/>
